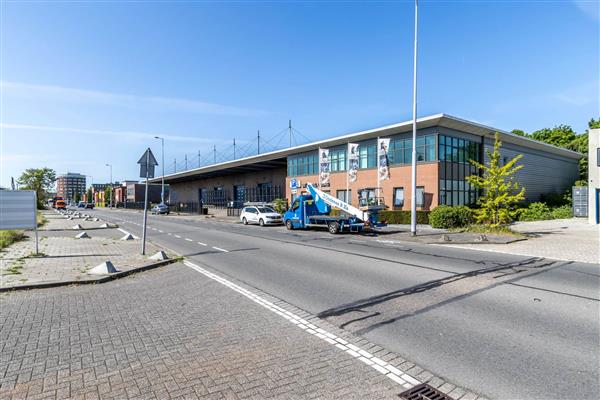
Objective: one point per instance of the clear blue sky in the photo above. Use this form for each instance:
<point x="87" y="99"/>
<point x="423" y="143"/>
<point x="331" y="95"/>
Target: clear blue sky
<point x="90" y="83"/>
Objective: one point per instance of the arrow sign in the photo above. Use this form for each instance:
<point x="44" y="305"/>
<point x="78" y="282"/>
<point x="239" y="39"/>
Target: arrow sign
<point x="147" y="163"/>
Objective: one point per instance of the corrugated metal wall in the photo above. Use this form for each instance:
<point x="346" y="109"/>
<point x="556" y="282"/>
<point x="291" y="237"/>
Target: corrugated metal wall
<point x="542" y="172"/>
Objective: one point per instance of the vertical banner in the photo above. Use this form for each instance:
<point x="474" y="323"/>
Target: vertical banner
<point x="382" y="159"/>
<point x="324" y="167"/>
<point x="352" y="161"/>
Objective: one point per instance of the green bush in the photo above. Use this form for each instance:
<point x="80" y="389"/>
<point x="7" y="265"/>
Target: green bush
<point x="562" y="212"/>
<point x="403" y="217"/>
<point x="446" y="217"/>
<point x="535" y="212"/>
<point x="556" y="199"/>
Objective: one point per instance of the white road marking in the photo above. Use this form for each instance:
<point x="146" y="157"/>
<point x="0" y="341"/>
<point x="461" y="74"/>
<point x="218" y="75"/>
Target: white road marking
<point x="379" y="365"/>
<point x="220" y="249"/>
<point x="202" y="244"/>
<point x="178" y="237"/>
<point x="169" y="234"/>
<point x="189" y="240"/>
<point x="160" y="231"/>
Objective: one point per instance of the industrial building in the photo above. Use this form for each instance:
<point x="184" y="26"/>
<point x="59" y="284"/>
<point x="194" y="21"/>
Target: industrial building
<point x="445" y="144"/>
<point x="69" y="185"/>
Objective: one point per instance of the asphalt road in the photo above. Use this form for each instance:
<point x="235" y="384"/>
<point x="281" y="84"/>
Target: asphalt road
<point x="502" y="325"/>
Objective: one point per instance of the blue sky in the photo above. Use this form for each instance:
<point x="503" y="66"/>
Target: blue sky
<point x="90" y="83"/>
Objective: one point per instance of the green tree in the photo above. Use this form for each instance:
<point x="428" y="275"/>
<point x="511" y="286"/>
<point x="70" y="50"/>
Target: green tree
<point x="500" y="191"/>
<point x="89" y="198"/>
<point x="594" y="123"/>
<point x="519" y="132"/>
<point x="40" y="180"/>
<point x="77" y="197"/>
<point x="107" y="197"/>
<point x="560" y="135"/>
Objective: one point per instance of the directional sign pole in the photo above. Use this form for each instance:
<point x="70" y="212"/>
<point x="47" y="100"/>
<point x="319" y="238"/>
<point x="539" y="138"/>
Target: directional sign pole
<point x="145" y="204"/>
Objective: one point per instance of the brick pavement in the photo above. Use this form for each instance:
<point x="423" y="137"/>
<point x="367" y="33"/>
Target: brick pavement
<point x="168" y="333"/>
<point x="66" y="258"/>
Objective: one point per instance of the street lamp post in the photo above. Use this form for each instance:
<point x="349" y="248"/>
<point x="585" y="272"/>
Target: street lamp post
<point x="162" y="147"/>
<point x="111" y="185"/>
<point x="413" y="186"/>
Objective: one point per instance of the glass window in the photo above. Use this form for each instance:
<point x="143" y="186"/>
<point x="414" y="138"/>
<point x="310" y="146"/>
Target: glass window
<point x="420" y="196"/>
<point x="368" y="156"/>
<point x="341" y="194"/>
<point x="399" y="197"/>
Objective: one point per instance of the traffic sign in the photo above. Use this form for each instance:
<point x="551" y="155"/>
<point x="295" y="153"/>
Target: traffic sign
<point x="294" y="184"/>
<point x="147" y="163"/>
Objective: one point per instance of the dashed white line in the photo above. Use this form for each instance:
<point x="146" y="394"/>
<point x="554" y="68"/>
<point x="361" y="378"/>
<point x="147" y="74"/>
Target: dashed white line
<point x="189" y="240"/>
<point x="220" y="249"/>
<point x="202" y="244"/>
<point x="379" y="365"/>
<point x="160" y="231"/>
<point x="177" y="236"/>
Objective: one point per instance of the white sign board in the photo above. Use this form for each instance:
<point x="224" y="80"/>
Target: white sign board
<point x="17" y="209"/>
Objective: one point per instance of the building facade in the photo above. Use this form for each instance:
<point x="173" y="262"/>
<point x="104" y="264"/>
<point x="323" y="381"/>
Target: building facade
<point x="445" y="146"/>
<point x="594" y="176"/>
<point x="70" y="186"/>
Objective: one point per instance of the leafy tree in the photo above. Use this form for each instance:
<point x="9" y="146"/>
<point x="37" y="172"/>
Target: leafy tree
<point x="560" y="135"/>
<point x="519" y="132"/>
<point x="40" y="180"/>
<point x="594" y="123"/>
<point x="77" y="197"/>
<point x="107" y="197"/>
<point x="89" y="197"/>
<point x="500" y="191"/>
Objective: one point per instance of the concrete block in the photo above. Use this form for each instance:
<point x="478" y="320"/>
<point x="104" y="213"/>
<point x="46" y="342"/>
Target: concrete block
<point x="77" y="227"/>
<point x="82" y="235"/>
<point x="128" y="236"/>
<point x="161" y="255"/>
<point x="105" y="268"/>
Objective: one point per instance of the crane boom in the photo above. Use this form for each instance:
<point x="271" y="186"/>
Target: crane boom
<point x="322" y="200"/>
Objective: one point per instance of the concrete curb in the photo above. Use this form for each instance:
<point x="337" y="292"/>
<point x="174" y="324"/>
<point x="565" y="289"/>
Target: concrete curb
<point x="102" y="279"/>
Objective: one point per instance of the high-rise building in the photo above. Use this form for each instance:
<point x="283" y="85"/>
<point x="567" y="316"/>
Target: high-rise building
<point x="69" y="185"/>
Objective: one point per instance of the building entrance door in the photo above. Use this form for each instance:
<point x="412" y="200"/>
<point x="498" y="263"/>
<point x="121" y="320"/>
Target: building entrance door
<point x="239" y="195"/>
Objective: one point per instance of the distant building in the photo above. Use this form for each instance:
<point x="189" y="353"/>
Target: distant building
<point x="69" y="185"/>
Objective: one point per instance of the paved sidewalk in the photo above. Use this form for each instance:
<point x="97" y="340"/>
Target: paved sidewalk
<point x="561" y="239"/>
<point x="66" y="259"/>
<point x="168" y="333"/>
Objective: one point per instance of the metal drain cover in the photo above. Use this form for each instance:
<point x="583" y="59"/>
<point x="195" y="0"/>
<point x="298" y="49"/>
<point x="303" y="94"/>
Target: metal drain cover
<point x="423" y="392"/>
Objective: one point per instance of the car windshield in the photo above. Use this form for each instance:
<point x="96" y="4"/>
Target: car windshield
<point x="266" y="210"/>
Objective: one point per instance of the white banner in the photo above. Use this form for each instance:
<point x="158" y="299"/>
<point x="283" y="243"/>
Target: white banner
<point x="352" y="161"/>
<point x="382" y="159"/>
<point x="324" y="167"/>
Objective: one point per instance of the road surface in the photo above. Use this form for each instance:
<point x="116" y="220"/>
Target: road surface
<point x="502" y="325"/>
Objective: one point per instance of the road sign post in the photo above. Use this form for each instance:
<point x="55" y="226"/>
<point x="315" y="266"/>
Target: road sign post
<point x="18" y="210"/>
<point x="147" y="163"/>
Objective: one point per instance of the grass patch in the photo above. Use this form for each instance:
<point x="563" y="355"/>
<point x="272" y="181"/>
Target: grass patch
<point x="485" y="229"/>
<point x="9" y="237"/>
<point x="40" y="219"/>
<point x="15" y="268"/>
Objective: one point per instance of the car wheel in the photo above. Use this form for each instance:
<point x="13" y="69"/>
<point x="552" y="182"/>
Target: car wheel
<point x="261" y="222"/>
<point x="334" y="227"/>
<point x="288" y="225"/>
<point x="244" y="221"/>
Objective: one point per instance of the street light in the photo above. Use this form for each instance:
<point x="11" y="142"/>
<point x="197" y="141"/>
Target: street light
<point x="111" y="185"/>
<point x="162" y="192"/>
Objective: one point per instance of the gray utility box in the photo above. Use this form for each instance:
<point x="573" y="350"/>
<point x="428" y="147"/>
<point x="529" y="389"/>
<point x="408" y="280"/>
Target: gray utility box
<point x="580" y="201"/>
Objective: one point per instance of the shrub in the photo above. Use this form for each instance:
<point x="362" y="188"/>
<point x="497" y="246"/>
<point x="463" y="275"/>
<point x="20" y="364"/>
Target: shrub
<point x="563" y="212"/>
<point x="556" y="199"/>
<point x="446" y="217"/>
<point x="9" y="237"/>
<point x="403" y="217"/>
<point x="280" y="205"/>
<point x="535" y="212"/>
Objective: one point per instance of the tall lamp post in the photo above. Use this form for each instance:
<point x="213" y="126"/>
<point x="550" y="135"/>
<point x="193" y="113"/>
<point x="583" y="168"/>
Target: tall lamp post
<point x="162" y="147"/>
<point x="413" y="191"/>
<point x="111" y="185"/>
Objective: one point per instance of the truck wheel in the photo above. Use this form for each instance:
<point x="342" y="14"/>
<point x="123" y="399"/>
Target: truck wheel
<point x="244" y="221"/>
<point x="334" y="227"/>
<point x="261" y="222"/>
<point x="288" y="225"/>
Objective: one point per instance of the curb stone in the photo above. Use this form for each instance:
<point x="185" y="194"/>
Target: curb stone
<point x="103" y="279"/>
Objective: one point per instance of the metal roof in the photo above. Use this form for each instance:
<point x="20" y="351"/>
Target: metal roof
<point x="278" y="158"/>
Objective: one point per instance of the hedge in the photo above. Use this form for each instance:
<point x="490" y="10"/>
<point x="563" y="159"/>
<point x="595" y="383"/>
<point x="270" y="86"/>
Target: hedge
<point x="447" y="217"/>
<point x="403" y="217"/>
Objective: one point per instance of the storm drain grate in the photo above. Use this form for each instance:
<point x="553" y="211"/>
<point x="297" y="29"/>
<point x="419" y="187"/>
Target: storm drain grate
<point x="423" y="392"/>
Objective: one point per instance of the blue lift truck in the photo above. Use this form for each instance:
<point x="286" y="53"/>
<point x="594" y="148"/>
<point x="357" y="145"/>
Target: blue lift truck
<point x="313" y="209"/>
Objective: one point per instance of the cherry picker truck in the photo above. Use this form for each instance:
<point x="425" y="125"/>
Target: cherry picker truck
<point x="313" y="209"/>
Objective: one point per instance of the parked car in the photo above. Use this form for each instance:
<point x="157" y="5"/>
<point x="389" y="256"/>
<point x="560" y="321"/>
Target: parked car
<point x="160" y="209"/>
<point x="81" y="204"/>
<point x="261" y="215"/>
<point x="60" y="205"/>
<point x="89" y="205"/>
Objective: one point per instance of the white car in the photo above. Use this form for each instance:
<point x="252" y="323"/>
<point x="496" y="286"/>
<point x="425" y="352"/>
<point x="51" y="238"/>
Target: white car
<point x="261" y="215"/>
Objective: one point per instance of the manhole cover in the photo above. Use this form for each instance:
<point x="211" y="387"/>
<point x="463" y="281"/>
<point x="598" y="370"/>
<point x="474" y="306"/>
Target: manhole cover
<point x="423" y="392"/>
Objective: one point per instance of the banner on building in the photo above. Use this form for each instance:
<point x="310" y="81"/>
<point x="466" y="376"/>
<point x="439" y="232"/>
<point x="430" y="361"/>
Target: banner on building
<point x="352" y="161"/>
<point x="382" y="159"/>
<point x="324" y="167"/>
